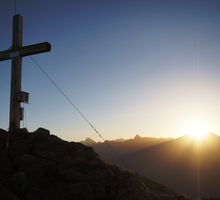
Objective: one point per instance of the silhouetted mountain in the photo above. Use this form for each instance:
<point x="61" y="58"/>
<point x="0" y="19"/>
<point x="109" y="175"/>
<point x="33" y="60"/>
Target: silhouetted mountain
<point x="180" y="163"/>
<point x="137" y="137"/>
<point x="125" y="147"/>
<point x="40" y="166"/>
<point x="88" y="142"/>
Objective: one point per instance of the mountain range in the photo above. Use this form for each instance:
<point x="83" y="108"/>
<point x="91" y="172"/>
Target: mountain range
<point x="184" y="164"/>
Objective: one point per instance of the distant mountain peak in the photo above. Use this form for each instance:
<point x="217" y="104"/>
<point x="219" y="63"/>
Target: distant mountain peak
<point x="88" y="141"/>
<point x="211" y="134"/>
<point x="137" y="137"/>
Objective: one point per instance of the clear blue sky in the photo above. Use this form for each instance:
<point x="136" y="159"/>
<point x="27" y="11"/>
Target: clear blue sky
<point x="131" y="66"/>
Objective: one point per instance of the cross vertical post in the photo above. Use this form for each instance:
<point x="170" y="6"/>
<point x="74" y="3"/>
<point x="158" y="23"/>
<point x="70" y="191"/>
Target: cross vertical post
<point x="16" y="69"/>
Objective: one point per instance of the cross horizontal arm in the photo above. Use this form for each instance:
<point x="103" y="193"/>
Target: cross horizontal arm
<point x="35" y="49"/>
<point x="5" y="55"/>
<point x="25" y="51"/>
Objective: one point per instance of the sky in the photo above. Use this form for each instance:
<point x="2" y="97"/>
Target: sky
<point x="146" y="67"/>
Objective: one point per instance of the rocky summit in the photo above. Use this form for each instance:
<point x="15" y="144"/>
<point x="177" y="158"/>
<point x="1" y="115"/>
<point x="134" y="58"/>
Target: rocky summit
<point x="40" y="166"/>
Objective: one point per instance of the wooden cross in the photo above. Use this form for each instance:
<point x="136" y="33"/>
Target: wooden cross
<point x="15" y="53"/>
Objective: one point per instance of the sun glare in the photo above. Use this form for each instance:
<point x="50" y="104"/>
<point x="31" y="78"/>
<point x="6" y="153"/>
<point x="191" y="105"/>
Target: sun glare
<point x="198" y="129"/>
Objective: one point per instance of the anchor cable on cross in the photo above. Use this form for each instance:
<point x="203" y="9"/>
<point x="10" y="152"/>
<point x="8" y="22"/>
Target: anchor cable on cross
<point x="15" y="54"/>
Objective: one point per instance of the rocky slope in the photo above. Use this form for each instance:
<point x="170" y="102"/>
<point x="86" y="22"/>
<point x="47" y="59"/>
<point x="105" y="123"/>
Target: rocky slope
<point x="40" y="166"/>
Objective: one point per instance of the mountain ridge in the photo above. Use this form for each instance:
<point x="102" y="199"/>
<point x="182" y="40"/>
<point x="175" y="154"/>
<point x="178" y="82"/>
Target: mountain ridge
<point x="174" y="163"/>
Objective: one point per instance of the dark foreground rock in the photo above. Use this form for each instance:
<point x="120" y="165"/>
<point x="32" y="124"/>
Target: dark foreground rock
<point x="40" y="166"/>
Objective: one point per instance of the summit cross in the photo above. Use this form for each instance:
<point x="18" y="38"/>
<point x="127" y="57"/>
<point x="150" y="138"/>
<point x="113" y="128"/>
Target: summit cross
<point x="15" y="54"/>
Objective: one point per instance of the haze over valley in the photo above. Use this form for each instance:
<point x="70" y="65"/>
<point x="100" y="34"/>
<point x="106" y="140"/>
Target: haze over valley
<point x="181" y="163"/>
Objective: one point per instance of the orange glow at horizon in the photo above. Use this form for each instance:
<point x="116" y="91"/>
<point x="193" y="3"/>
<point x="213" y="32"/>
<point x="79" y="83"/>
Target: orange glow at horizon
<point x="197" y="128"/>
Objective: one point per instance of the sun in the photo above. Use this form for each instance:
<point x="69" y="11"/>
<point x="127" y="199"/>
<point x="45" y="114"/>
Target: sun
<point x="198" y="132"/>
<point x="198" y="129"/>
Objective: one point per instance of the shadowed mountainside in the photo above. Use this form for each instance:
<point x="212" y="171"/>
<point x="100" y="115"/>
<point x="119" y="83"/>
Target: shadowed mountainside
<point x="41" y="166"/>
<point x="123" y="147"/>
<point x="180" y="163"/>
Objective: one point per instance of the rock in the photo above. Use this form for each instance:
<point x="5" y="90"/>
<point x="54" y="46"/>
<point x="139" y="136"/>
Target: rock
<point x="42" y="131"/>
<point x="17" y="183"/>
<point x="5" y="194"/>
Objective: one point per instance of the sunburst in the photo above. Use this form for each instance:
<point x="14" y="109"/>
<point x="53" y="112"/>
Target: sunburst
<point x="198" y="129"/>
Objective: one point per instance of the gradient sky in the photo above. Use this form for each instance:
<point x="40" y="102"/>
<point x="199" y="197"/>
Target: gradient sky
<point x="132" y="66"/>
